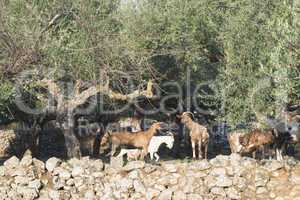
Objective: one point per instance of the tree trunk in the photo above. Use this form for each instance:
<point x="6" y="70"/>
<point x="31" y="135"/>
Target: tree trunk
<point x="35" y="130"/>
<point x="35" y="141"/>
<point x="72" y="143"/>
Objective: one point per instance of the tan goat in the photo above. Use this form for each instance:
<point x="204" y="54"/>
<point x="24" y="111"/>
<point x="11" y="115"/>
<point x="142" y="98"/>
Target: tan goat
<point x="139" y="139"/>
<point x="198" y="133"/>
<point x="234" y="141"/>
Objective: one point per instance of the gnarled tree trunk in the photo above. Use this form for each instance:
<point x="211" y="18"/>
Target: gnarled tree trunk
<point x="66" y="121"/>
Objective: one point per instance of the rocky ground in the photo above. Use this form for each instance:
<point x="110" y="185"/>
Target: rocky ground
<point x="223" y="177"/>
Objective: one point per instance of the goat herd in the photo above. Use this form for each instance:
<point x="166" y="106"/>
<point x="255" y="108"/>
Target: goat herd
<point x="144" y="142"/>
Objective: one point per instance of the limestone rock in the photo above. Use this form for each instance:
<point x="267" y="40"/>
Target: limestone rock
<point x="26" y="160"/>
<point x="51" y="163"/>
<point x="19" y="171"/>
<point x="39" y="166"/>
<point x="55" y="195"/>
<point x="295" y="175"/>
<point x="77" y="171"/>
<point x="170" y="167"/>
<point x="36" y="184"/>
<point x="210" y="181"/>
<point x="194" y="196"/>
<point x="116" y="162"/>
<point x="202" y="165"/>
<point x="232" y="193"/>
<point x="223" y="181"/>
<point x="134" y="165"/>
<point x="235" y="159"/>
<point x="2" y="171"/>
<point x="152" y="193"/>
<point x="218" y="191"/>
<point x="97" y="165"/>
<point x="165" y="195"/>
<point x="12" y="162"/>
<point x="272" y="165"/>
<point x="179" y="195"/>
<point x="218" y="171"/>
<point x="89" y="195"/>
<point x="64" y="174"/>
<point x="261" y="190"/>
<point x="125" y="183"/>
<point x="134" y="174"/>
<point x="21" y="180"/>
<point x="28" y="193"/>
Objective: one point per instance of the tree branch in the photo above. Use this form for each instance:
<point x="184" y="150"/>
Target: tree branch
<point x="53" y="89"/>
<point x="94" y="90"/>
<point x="80" y="98"/>
<point x="77" y="87"/>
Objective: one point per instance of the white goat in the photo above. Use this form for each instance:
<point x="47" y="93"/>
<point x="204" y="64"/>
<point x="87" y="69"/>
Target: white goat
<point x="132" y="154"/>
<point x="155" y="143"/>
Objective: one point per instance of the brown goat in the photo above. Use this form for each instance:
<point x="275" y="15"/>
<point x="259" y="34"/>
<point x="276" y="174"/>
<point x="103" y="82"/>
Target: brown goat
<point x="256" y="140"/>
<point x="139" y="139"/>
<point x="198" y="133"/>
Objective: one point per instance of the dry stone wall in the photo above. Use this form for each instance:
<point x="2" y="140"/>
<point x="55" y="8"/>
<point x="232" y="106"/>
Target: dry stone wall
<point x="223" y="177"/>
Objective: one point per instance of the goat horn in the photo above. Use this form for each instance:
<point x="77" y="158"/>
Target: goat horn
<point x="190" y="113"/>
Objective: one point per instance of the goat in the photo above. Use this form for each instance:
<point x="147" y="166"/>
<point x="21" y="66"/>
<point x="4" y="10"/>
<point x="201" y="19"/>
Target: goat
<point x="256" y="140"/>
<point x="198" y="133"/>
<point x="155" y="143"/>
<point x="242" y="142"/>
<point x="89" y="137"/>
<point x="234" y="141"/>
<point x="132" y="154"/>
<point x="138" y="139"/>
<point x="282" y="139"/>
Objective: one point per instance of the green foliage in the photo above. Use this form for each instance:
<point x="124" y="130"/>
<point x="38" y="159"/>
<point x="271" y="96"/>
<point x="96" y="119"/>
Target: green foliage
<point x="261" y="65"/>
<point x="247" y="51"/>
<point x="6" y="91"/>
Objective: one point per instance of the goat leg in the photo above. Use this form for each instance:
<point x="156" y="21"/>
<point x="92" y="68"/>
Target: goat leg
<point x="200" y="150"/>
<point x="279" y="154"/>
<point x="136" y="157"/>
<point x="151" y="155"/>
<point x="156" y="156"/>
<point x="262" y="152"/>
<point x="254" y="154"/>
<point x="194" y="149"/>
<point x="113" y="149"/>
<point x="205" y="150"/>
<point x="144" y="153"/>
